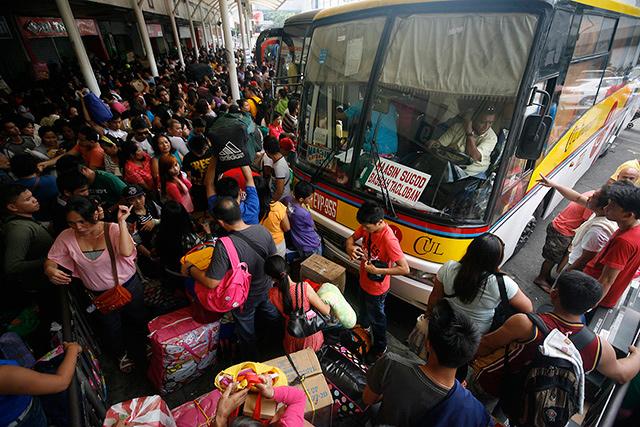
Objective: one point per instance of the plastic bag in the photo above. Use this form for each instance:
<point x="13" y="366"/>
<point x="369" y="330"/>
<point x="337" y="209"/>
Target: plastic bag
<point x="148" y="411"/>
<point x="418" y="336"/>
<point x="199" y="412"/>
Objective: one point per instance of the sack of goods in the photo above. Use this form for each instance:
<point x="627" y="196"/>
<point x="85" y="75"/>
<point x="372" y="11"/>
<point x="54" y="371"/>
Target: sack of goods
<point x="347" y="378"/>
<point x="340" y="308"/>
<point x="149" y="411"/>
<point x="199" y="412"/>
<point x="181" y="349"/>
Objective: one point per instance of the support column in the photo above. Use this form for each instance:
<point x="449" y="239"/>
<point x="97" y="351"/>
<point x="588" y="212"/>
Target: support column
<point x="204" y="31"/>
<point x="174" y="28"/>
<point x="231" y="60"/>
<point x="248" y="25"/>
<point x="243" y="33"/>
<point x="78" y="47"/>
<point x="194" y="40"/>
<point x="144" y="34"/>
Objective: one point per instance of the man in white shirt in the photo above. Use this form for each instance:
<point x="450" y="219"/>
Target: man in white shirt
<point x="174" y="129"/>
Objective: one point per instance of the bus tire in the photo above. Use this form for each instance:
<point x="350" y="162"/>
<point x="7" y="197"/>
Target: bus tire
<point x="526" y="234"/>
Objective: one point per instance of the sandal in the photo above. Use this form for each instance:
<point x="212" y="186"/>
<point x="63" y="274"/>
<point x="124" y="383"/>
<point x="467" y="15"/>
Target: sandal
<point x="126" y="365"/>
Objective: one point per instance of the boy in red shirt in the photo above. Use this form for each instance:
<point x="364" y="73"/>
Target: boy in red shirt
<point x="618" y="261"/>
<point x="380" y="257"/>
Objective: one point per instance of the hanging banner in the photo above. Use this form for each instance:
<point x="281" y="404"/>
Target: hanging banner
<point x="37" y="28"/>
<point x="404" y="183"/>
<point x="185" y="33"/>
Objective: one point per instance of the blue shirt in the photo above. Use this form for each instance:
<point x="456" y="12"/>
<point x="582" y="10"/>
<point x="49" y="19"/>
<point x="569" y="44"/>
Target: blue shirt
<point x="12" y="405"/>
<point x="249" y="207"/>
<point x="44" y="189"/>
<point x="387" y="136"/>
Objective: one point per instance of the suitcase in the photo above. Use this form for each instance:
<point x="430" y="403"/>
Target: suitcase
<point x="181" y="349"/>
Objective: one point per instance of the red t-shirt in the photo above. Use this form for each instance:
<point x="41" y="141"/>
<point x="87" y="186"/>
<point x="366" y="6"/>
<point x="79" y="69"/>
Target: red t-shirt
<point x="572" y="217"/>
<point x="622" y="252"/>
<point x="93" y="158"/>
<point x="385" y="247"/>
<point x="236" y="173"/>
<point x="174" y="193"/>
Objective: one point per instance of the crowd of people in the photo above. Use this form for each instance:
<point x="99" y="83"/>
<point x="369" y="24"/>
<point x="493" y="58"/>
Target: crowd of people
<point x="179" y="163"/>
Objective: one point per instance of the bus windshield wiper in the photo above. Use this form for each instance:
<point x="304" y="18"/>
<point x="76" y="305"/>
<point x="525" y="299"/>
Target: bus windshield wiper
<point x="377" y="166"/>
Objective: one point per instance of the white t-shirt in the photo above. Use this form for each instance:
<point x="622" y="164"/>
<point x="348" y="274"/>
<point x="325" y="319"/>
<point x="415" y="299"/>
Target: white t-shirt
<point x="145" y="146"/>
<point x="280" y="171"/>
<point x="120" y="134"/>
<point x="178" y="143"/>
<point x="482" y="308"/>
<point x="593" y="239"/>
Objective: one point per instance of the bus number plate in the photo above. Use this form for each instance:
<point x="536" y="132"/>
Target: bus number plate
<point x="325" y="205"/>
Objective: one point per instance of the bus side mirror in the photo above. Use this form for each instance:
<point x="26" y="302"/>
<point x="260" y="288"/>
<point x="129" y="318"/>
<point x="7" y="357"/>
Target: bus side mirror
<point x="533" y="136"/>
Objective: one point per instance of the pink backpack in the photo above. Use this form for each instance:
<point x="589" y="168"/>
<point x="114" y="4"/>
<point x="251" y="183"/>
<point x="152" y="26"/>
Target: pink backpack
<point x="233" y="289"/>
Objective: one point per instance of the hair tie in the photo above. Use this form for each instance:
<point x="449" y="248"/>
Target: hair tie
<point x="283" y="275"/>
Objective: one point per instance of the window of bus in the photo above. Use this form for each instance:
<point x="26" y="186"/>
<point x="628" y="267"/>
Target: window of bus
<point x="580" y="88"/>
<point x="339" y="65"/>
<point x="625" y="44"/>
<point x="441" y="111"/>
<point x="555" y="44"/>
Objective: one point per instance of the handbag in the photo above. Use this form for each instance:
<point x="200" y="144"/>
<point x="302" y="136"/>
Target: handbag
<point x="376" y="263"/>
<point x="504" y="310"/>
<point x="303" y="324"/>
<point x="118" y="296"/>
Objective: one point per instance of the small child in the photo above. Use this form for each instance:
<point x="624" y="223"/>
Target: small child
<point x="380" y="258"/>
<point x="143" y="220"/>
<point x="111" y="157"/>
<point x="174" y="183"/>
<point x="304" y="236"/>
<point x="195" y="164"/>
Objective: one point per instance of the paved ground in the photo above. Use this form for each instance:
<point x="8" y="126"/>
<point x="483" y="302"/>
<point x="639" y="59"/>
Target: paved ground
<point x="523" y="268"/>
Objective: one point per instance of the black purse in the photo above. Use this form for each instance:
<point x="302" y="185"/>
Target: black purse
<point x="304" y="324"/>
<point x="376" y="263"/>
<point x="504" y="310"/>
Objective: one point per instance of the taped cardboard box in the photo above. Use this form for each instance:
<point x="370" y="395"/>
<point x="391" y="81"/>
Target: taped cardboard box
<point x="321" y="270"/>
<point x="308" y="365"/>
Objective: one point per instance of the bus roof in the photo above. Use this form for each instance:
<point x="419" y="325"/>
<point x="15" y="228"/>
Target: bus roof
<point x="297" y="25"/>
<point x="613" y="5"/>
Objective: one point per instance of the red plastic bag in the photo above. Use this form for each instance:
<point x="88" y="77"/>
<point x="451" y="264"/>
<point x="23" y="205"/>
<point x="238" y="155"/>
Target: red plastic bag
<point x="199" y="412"/>
<point x="148" y="411"/>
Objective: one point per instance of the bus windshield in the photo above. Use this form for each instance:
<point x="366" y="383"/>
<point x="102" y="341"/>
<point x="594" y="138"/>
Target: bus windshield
<point x="430" y="131"/>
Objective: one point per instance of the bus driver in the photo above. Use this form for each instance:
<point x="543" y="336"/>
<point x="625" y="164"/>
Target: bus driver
<point x="474" y="137"/>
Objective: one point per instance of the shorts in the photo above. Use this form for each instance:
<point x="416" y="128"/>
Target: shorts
<point x="556" y="245"/>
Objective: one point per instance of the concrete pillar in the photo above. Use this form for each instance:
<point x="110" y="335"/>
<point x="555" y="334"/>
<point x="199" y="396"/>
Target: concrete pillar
<point x="144" y="34"/>
<point x="248" y="25"/>
<point x="78" y="47"/>
<point x="174" y="28"/>
<point x="243" y="33"/>
<point x="204" y="30"/>
<point x="228" y="47"/>
<point x="194" y="40"/>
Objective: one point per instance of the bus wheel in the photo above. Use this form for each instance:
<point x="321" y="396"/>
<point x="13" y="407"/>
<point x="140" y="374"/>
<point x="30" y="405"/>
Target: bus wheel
<point x="526" y="234"/>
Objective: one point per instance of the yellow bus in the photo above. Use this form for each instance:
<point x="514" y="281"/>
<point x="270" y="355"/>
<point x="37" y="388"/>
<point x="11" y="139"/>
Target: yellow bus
<point x="447" y="112"/>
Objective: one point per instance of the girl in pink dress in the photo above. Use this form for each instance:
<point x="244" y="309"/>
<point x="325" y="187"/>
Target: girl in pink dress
<point x="174" y="184"/>
<point x="283" y="295"/>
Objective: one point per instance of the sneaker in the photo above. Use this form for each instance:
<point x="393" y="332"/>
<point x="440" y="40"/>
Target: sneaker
<point x="126" y="365"/>
<point x="373" y="356"/>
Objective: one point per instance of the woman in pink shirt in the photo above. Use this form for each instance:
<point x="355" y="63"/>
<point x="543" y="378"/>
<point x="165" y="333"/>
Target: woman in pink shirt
<point x="174" y="183"/>
<point x="81" y="252"/>
<point x="137" y="166"/>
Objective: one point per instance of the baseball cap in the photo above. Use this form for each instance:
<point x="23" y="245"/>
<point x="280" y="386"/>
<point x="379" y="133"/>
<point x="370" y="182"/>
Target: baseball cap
<point x="131" y="191"/>
<point x="287" y="144"/>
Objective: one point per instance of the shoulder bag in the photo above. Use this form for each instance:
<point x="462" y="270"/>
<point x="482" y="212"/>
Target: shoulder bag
<point x="303" y="324"/>
<point x="118" y="296"/>
<point x="376" y="263"/>
<point x="504" y="310"/>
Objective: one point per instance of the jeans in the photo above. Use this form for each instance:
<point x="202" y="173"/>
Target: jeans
<point x="372" y="314"/>
<point x="131" y="338"/>
<point x="245" y="323"/>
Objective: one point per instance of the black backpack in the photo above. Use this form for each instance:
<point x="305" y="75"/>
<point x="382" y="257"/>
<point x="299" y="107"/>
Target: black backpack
<point x="545" y="392"/>
<point x="229" y="139"/>
<point x="262" y="110"/>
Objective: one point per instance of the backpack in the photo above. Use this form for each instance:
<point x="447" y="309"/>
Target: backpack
<point x="545" y="392"/>
<point x="233" y="290"/>
<point x="229" y="140"/>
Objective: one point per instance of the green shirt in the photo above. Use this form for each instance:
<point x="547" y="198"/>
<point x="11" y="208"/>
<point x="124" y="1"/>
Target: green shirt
<point x="24" y="248"/>
<point x="108" y="187"/>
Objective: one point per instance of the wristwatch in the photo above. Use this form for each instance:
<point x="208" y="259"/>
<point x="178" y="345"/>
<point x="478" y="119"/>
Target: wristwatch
<point x="471" y="134"/>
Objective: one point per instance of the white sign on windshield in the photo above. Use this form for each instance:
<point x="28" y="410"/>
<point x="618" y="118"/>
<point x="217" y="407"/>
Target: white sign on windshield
<point x="405" y="184"/>
<point x="353" y="56"/>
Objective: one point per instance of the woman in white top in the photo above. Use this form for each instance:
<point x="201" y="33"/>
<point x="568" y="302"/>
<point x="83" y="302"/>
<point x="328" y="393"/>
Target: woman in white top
<point x="471" y="285"/>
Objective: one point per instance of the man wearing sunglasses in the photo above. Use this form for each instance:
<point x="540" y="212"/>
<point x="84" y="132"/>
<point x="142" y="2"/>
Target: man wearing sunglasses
<point x="142" y="135"/>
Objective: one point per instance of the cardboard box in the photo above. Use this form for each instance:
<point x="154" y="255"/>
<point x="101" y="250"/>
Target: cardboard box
<point x="321" y="270"/>
<point x="308" y="365"/>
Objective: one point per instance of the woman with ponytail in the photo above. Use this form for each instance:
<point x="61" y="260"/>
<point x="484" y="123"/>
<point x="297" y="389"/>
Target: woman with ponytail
<point x="471" y="285"/>
<point x="283" y="295"/>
